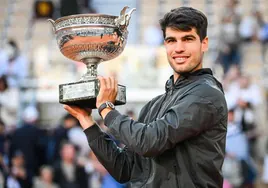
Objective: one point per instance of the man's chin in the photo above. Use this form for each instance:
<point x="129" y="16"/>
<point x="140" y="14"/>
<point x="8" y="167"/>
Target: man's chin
<point x="186" y="71"/>
<point x="183" y="71"/>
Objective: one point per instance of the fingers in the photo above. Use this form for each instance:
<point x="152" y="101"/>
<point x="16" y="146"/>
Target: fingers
<point x="112" y="80"/>
<point x="67" y="107"/>
<point x="107" y="84"/>
<point x="77" y="112"/>
<point x="102" y="85"/>
<point x="70" y="109"/>
<point x="116" y="85"/>
<point x="108" y="90"/>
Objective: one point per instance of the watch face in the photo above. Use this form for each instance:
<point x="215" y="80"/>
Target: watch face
<point x="111" y="105"/>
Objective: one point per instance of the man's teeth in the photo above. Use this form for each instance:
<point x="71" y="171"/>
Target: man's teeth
<point x="180" y="59"/>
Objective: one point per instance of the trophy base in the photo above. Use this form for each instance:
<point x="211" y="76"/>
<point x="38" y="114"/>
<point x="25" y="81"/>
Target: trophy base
<point x="84" y="94"/>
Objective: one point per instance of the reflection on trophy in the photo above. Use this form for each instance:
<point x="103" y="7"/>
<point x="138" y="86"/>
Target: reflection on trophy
<point x="91" y="39"/>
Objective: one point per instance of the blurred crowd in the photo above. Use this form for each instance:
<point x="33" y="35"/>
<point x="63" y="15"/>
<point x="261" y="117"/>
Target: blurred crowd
<point x="243" y="99"/>
<point x="34" y="156"/>
<point x="31" y="156"/>
<point x="58" y="157"/>
<point x="237" y="30"/>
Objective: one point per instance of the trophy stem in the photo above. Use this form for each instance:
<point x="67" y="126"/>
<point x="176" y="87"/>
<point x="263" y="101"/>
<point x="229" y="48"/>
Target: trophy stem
<point x="92" y="65"/>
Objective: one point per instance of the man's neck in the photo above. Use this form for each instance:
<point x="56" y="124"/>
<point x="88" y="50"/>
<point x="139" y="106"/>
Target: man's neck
<point x="175" y="77"/>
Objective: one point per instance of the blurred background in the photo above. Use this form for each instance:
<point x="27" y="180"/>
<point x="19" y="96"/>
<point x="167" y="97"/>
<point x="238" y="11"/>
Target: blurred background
<point x="41" y="145"/>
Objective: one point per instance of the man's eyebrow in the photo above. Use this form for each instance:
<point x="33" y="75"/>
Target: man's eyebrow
<point x="189" y="36"/>
<point x="183" y="37"/>
<point x="170" y="38"/>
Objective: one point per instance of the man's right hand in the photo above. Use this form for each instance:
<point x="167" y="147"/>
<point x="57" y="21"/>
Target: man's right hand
<point x="81" y="114"/>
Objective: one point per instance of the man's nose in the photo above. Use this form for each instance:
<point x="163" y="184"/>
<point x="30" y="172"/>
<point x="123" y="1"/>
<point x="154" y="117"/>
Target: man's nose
<point x="180" y="47"/>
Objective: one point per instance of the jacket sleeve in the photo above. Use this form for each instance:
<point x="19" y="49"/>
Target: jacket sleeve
<point x="117" y="161"/>
<point x="188" y="118"/>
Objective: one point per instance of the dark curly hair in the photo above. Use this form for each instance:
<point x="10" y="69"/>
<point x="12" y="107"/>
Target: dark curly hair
<point x="185" y="19"/>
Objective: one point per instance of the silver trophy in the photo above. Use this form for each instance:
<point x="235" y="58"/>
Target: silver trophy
<point x="91" y="39"/>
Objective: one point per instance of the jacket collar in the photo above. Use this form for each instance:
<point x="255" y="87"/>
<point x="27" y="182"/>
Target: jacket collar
<point x="186" y="78"/>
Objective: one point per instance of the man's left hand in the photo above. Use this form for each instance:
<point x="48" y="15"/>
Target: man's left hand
<point x="82" y="115"/>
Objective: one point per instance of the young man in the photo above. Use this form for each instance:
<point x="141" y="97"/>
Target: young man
<point x="179" y="138"/>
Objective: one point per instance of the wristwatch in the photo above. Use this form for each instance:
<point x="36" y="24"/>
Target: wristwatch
<point x="107" y="104"/>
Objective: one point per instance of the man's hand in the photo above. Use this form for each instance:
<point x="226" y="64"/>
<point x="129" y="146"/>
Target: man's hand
<point x="108" y="92"/>
<point x="83" y="115"/>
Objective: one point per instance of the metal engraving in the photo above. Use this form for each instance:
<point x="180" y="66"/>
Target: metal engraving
<point x="78" y="90"/>
<point x="121" y="94"/>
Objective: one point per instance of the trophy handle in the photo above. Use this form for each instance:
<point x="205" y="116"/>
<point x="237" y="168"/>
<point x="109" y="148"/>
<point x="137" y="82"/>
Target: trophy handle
<point x="53" y="24"/>
<point x="128" y="16"/>
<point x="123" y="20"/>
<point x="123" y="11"/>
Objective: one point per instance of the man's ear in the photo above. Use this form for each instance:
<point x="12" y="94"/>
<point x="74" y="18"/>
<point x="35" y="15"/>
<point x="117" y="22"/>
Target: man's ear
<point x="205" y="44"/>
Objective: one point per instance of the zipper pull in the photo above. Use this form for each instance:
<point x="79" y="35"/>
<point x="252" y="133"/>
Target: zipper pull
<point x="171" y="91"/>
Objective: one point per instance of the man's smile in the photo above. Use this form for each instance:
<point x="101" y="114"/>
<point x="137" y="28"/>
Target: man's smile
<point x="180" y="59"/>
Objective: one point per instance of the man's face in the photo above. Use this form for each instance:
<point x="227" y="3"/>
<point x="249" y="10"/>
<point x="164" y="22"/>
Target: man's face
<point x="184" y="50"/>
<point x="68" y="153"/>
<point x="46" y="175"/>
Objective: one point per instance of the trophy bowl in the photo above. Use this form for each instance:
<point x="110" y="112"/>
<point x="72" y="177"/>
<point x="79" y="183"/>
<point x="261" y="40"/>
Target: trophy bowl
<point x="91" y="39"/>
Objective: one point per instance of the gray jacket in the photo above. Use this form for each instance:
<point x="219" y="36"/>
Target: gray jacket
<point x="177" y="142"/>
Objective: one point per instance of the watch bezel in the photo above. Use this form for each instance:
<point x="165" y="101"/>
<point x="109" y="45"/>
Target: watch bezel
<point x="110" y="104"/>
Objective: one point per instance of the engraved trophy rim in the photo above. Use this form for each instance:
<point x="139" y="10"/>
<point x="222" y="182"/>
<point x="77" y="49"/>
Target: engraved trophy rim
<point x="84" y="15"/>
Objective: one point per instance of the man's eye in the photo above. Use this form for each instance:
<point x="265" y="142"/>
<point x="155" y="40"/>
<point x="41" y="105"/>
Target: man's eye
<point x="188" y="39"/>
<point x="170" y="40"/>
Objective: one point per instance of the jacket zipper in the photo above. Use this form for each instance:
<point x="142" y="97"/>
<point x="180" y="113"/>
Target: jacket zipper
<point x="165" y="102"/>
<point x="149" y="174"/>
<point x="176" y="175"/>
<point x="161" y="106"/>
<point x="177" y="170"/>
<point x="176" y="166"/>
<point x="171" y="91"/>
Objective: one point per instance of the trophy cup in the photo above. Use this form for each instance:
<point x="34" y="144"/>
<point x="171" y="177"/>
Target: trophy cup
<point x="91" y="39"/>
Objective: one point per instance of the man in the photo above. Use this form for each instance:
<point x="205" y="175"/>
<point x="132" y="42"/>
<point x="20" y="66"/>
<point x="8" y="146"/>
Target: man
<point x="8" y="107"/>
<point x="67" y="172"/>
<point x="61" y="135"/>
<point x="179" y="138"/>
<point x="13" y="64"/>
<point x="28" y="139"/>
